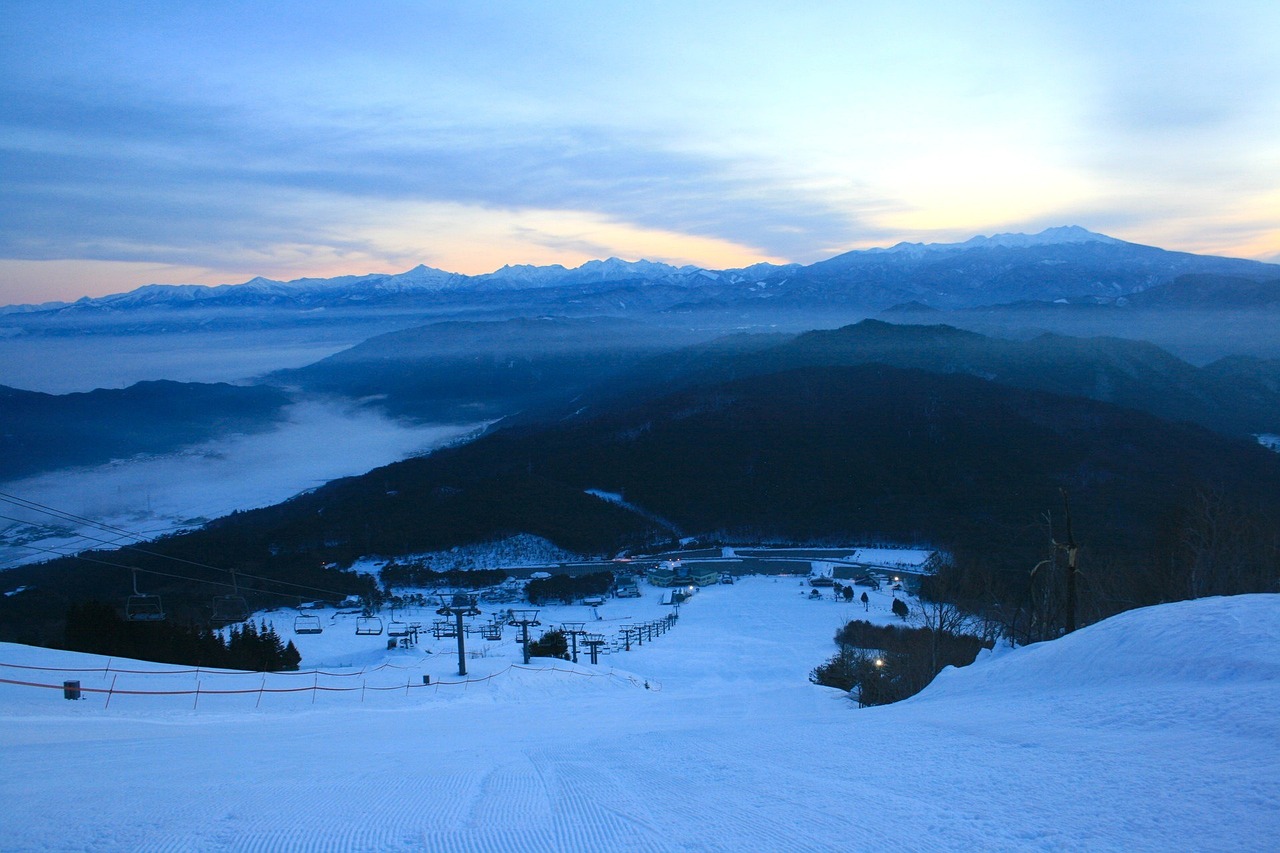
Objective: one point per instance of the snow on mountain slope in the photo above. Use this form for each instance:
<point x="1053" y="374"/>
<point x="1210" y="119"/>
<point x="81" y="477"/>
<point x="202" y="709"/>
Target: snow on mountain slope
<point x="1065" y="234"/>
<point x="1153" y="731"/>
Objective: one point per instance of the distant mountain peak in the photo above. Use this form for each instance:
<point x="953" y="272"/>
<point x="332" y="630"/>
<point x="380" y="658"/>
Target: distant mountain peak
<point x="1057" y="236"/>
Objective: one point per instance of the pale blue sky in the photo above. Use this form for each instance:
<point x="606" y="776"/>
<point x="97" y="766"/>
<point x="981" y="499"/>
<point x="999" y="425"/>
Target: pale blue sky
<point x="197" y="142"/>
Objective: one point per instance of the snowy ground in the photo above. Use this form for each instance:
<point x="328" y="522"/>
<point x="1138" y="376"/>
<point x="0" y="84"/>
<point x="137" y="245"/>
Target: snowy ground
<point x="1157" y="730"/>
<point x="152" y="495"/>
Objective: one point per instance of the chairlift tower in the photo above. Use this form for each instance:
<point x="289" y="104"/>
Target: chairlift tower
<point x="594" y="642"/>
<point x="574" y="630"/>
<point x="523" y="619"/>
<point x="459" y="605"/>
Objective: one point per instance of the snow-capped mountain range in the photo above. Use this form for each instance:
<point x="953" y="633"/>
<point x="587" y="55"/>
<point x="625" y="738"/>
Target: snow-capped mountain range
<point x="981" y="270"/>
<point x="1064" y="234"/>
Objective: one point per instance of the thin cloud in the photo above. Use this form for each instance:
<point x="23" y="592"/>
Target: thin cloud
<point x="103" y="176"/>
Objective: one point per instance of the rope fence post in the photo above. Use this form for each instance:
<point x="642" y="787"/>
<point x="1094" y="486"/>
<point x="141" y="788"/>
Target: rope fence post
<point x="110" y="690"/>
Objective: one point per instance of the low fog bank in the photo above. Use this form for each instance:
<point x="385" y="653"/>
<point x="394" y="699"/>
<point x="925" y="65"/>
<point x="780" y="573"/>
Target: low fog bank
<point x="152" y="495"/>
<point x="1198" y="337"/>
<point x="57" y="364"/>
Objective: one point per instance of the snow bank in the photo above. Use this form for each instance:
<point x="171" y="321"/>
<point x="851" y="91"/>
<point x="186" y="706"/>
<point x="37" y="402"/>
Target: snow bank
<point x="1204" y="643"/>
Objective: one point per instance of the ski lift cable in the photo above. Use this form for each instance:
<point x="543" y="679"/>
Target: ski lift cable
<point x="66" y="516"/>
<point x="128" y="548"/>
<point x="115" y="543"/>
<point x="134" y="569"/>
<point x="27" y="503"/>
<point x="78" y="556"/>
<point x="33" y="506"/>
<point x="31" y="523"/>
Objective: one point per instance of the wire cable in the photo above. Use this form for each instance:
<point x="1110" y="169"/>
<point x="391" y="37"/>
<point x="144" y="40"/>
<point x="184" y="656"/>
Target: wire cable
<point x="68" y="516"/>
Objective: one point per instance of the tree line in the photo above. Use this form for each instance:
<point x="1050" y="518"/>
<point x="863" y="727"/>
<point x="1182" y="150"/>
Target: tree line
<point x="96" y="628"/>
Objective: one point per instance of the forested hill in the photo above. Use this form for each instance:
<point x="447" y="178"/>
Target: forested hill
<point x="1126" y="373"/>
<point x="864" y="453"/>
<point x="41" y="432"/>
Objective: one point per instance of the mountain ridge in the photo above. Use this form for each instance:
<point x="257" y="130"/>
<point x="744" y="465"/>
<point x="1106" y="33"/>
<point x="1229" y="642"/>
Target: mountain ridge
<point x="1000" y="267"/>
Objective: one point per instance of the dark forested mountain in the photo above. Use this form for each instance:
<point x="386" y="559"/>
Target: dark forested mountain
<point x="1127" y="373"/>
<point x="1211" y="293"/>
<point x="473" y="370"/>
<point x="1252" y="375"/>
<point x="863" y="453"/>
<point x="40" y="432"/>
<point x="1133" y="374"/>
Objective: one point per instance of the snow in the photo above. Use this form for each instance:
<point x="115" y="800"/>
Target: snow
<point x="523" y="550"/>
<point x="1065" y="234"/>
<point x="1156" y="730"/>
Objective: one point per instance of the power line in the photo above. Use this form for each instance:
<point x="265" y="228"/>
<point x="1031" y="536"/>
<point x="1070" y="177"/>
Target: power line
<point x="26" y="503"/>
<point x="157" y="572"/>
<point x="69" y="516"/>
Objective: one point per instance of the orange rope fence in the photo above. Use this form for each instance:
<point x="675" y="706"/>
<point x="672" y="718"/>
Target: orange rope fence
<point x="314" y="688"/>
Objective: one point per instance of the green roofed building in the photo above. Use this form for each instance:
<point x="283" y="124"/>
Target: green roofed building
<point x="675" y="573"/>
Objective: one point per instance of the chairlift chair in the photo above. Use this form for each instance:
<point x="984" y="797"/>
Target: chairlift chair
<point x="368" y="626"/>
<point x="140" y="607"/>
<point x="230" y="608"/>
<point x="304" y="624"/>
<point x="396" y="628"/>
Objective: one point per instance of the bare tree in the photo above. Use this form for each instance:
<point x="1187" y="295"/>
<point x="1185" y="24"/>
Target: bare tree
<point x="1224" y="549"/>
<point x="937" y="610"/>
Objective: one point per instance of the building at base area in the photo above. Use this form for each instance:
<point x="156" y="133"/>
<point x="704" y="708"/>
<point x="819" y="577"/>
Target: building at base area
<point x="675" y="573"/>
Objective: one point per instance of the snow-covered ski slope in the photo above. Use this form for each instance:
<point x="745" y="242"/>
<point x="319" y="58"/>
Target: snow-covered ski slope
<point x="1156" y="730"/>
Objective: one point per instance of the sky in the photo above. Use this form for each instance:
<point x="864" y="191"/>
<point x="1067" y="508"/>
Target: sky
<point x="206" y="143"/>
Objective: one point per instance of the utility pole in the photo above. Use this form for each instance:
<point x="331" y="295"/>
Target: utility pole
<point x="460" y="605"/>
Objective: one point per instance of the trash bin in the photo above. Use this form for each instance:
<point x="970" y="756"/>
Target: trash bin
<point x="70" y="690"/>
<point x="426" y="679"/>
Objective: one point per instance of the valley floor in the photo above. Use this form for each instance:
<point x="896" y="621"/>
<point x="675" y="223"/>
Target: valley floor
<point x="1157" y="730"/>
